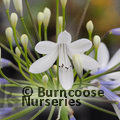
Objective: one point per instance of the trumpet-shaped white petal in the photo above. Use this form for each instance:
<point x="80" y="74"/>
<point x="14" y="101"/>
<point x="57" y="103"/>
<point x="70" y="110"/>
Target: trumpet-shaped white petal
<point x="65" y="68"/>
<point x="64" y="37"/>
<point x="80" y="46"/>
<point x="103" y="55"/>
<point x="115" y="60"/>
<point x="44" y="63"/>
<point x="114" y="75"/>
<point x="45" y="47"/>
<point x="89" y="63"/>
<point x="18" y="6"/>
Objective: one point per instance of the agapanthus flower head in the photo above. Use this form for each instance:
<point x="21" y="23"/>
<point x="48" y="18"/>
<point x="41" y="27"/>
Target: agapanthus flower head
<point x="7" y="4"/>
<point x="14" y="19"/>
<point x="18" y="6"/>
<point x="5" y="62"/>
<point x="47" y="15"/>
<point x="24" y="40"/>
<point x="115" y="31"/>
<point x="9" y="33"/>
<point x="6" y="110"/>
<point x="40" y="17"/>
<point x="96" y="41"/>
<point x="89" y="26"/>
<point x="63" y="48"/>
<point x="3" y="81"/>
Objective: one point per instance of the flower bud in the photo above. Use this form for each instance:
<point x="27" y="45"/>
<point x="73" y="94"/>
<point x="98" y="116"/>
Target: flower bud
<point x="63" y="2"/>
<point x="7" y="4"/>
<point x="17" y="51"/>
<point x="24" y="40"/>
<point x="9" y="33"/>
<point x="14" y="19"/>
<point x="40" y="18"/>
<point x="77" y="64"/>
<point x="18" y="6"/>
<point x="45" y="79"/>
<point x="54" y="69"/>
<point x="90" y="26"/>
<point x="60" y="21"/>
<point x="96" y="41"/>
<point x="47" y="15"/>
<point x="115" y="31"/>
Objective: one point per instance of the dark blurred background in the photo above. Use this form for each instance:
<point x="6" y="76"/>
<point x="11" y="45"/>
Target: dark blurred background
<point x="105" y="15"/>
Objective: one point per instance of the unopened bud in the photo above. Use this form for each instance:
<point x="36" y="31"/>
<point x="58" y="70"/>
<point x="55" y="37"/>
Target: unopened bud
<point x="40" y="18"/>
<point x="77" y="64"/>
<point x="47" y="15"/>
<point x="17" y="51"/>
<point x="14" y="19"/>
<point x="115" y="31"/>
<point x="63" y="2"/>
<point x="60" y="21"/>
<point x="7" y="4"/>
<point x="24" y="40"/>
<point x="9" y="33"/>
<point x="96" y="41"/>
<point x="90" y="26"/>
<point x="18" y="6"/>
<point x="45" y="79"/>
<point x="54" y="69"/>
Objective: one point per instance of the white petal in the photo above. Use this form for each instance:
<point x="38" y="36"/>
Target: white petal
<point x="89" y="63"/>
<point x="114" y="75"/>
<point x="65" y="68"/>
<point x="115" y="60"/>
<point x="117" y="110"/>
<point x="103" y="55"/>
<point x="64" y="37"/>
<point x="45" y="47"/>
<point x="79" y="46"/>
<point x="44" y="63"/>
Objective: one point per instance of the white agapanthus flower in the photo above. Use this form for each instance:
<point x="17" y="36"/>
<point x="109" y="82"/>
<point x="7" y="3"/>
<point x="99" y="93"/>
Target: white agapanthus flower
<point x="105" y="64"/>
<point x="63" y="48"/>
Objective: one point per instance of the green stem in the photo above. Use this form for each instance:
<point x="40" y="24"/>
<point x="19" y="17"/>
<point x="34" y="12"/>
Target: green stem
<point x="97" y="108"/>
<point x="89" y="51"/>
<point x="45" y="33"/>
<point x="39" y="27"/>
<point x="96" y="52"/>
<point x="63" y="10"/>
<point x="51" y="113"/>
<point x="57" y="15"/>
<point x="35" y="29"/>
<point x="8" y="78"/>
<point x="20" y="114"/>
<point x="38" y="113"/>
